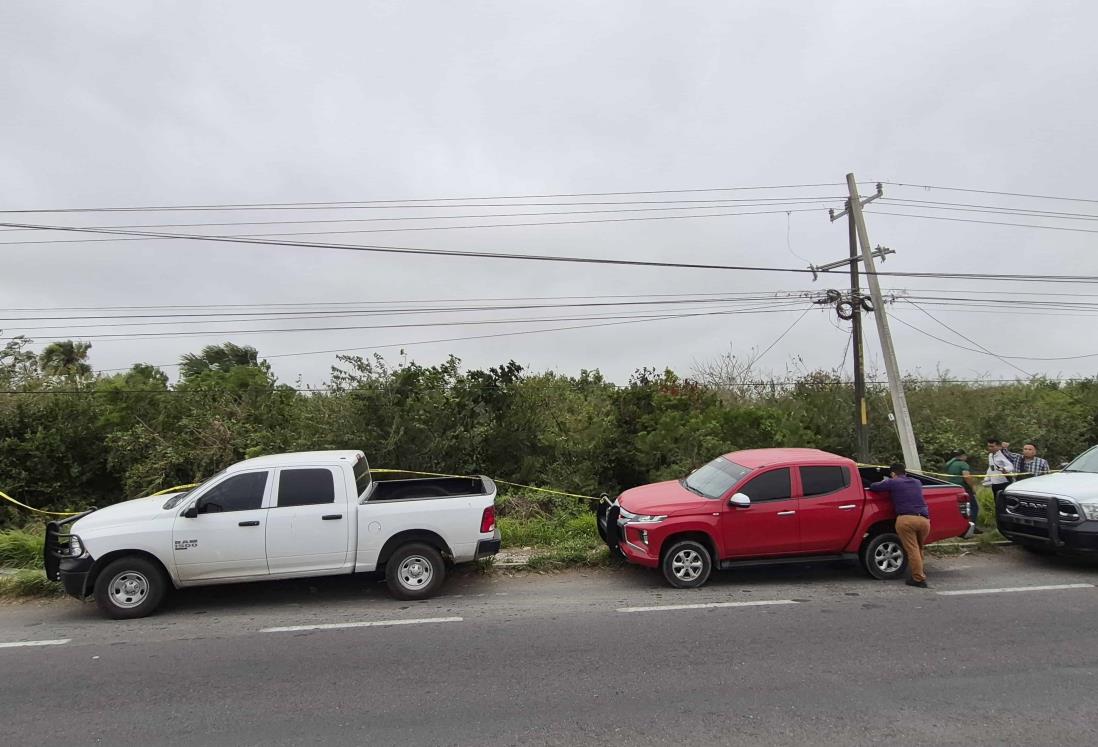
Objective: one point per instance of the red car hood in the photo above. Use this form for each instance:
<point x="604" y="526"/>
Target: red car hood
<point x="664" y="498"/>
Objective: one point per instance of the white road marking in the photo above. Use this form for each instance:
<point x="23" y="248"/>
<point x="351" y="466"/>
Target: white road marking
<point x="1009" y="589"/>
<point x="17" y="644"/>
<point x="367" y="624"/>
<point x="710" y="605"/>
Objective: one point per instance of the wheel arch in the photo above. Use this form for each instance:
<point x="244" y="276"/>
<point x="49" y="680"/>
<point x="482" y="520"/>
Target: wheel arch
<point x="107" y="559"/>
<point x="695" y="535"/>
<point x="413" y="535"/>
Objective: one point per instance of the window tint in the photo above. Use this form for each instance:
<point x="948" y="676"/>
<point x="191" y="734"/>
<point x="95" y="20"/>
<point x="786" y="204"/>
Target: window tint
<point x="769" y="486"/>
<point x="823" y="480"/>
<point x="239" y="493"/>
<point x="362" y="475"/>
<point x="305" y="487"/>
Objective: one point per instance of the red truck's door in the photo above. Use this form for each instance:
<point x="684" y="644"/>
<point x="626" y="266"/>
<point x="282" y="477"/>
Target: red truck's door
<point x="829" y="507"/>
<point x="770" y="525"/>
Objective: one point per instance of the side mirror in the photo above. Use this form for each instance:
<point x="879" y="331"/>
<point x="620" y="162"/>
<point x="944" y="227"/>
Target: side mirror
<point x="190" y="513"/>
<point x="739" y="500"/>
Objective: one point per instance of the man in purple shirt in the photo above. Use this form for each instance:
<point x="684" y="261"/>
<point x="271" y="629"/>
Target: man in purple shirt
<point x="912" y="518"/>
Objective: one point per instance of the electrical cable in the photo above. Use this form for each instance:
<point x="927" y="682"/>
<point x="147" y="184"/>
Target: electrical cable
<point x="1028" y="278"/>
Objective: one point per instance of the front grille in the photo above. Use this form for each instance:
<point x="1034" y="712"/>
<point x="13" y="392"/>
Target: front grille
<point x="1036" y="507"/>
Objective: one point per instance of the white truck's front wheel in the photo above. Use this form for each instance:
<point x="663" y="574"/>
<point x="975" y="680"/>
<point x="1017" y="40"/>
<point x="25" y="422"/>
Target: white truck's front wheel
<point x="415" y="571"/>
<point x="130" y="587"/>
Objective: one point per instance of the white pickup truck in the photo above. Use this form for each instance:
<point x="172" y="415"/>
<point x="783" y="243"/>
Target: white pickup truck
<point x="282" y="516"/>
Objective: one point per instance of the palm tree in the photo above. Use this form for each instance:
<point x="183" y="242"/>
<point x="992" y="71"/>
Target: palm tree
<point x="65" y="358"/>
<point x="220" y="358"/>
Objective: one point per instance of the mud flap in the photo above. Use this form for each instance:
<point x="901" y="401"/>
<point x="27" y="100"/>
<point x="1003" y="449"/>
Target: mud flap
<point x="606" y="519"/>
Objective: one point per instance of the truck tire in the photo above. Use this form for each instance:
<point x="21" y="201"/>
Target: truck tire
<point x="687" y="564"/>
<point x="415" y="571"/>
<point x="130" y="587"/>
<point x="883" y="556"/>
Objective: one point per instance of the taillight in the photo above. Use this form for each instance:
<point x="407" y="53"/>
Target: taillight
<point x="488" y="520"/>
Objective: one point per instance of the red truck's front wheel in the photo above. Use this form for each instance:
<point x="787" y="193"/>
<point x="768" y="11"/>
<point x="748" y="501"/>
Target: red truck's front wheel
<point x="687" y="564"/>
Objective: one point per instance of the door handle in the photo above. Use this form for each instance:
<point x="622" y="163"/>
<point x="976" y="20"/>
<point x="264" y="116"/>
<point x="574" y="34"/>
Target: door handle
<point x="248" y="524"/>
<point x="786" y="513"/>
<point x="848" y="506"/>
<point x="331" y="517"/>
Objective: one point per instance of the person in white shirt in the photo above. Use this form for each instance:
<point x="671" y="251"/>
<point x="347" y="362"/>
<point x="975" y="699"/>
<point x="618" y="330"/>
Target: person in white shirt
<point x="998" y="467"/>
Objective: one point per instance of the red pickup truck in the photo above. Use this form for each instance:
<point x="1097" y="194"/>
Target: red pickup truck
<point x="766" y="506"/>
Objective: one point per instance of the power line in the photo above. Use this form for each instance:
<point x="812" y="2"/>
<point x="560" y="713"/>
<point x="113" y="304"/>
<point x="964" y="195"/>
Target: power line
<point x="983" y="222"/>
<point x="192" y="317"/>
<point x="980" y="350"/>
<point x="407" y="228"/>
<point x="461" y="323"/>
<point x="708" y="204"/>
<point x="970" y="340"/>
<point x="987" y="209"/>
<point x="1028" y="278"/>
<point x="991" y="192"/>
<point x="344" y="351"/>
<point x="323" y="205"/>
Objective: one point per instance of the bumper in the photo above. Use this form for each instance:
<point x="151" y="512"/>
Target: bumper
<point x="73" y="575"/>
<point x="1081" y="538"/>
<point x="486" y="548"/>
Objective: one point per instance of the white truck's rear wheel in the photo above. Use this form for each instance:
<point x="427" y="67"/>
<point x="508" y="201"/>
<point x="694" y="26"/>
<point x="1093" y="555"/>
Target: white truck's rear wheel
<point x="130" y="587"/>
<point x="415" y="571"/>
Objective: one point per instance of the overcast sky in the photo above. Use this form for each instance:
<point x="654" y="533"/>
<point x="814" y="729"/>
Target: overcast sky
<point x="146" y="103"/>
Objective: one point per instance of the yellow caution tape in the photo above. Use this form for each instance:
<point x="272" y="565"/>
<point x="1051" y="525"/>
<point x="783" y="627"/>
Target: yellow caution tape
<point x="7" y="497"/>
<point x="946" y="474"/>
<point x="499" y="482"/>
<point x="175" y="489"/>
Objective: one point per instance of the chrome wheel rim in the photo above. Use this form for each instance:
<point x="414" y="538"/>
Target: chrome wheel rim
<point x="687" y="565"/>
<point x="415" y="572"/>
<point x="889" y="556"/>
<point x="128" y="589"/>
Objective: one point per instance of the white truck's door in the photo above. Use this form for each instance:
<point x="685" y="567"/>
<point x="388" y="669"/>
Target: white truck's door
<point x="309" y="526"/>
<point x="226" y="539"/>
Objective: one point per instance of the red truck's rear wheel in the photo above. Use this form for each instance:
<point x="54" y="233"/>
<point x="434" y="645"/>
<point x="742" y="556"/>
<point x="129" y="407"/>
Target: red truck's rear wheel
<point x="687" y="564"/>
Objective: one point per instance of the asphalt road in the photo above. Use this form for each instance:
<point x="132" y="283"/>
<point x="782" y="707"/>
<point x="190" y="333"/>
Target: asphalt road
<point x="796" y="655"/>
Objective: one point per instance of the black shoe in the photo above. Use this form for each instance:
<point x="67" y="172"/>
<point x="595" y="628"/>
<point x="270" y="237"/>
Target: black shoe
<point x="977" y="530"/>
<point x="919" y="584"/>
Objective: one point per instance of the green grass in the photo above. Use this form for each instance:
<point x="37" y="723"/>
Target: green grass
<point x="20" y="548"/>
<point x="561" y="531"/>
<point x="28" y="583"/>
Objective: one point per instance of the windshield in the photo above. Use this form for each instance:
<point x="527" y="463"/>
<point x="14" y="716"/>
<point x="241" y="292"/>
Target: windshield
<point x="1085" y="462"/>
<point x="175" y="500"/>
<point x="716" y="478"/>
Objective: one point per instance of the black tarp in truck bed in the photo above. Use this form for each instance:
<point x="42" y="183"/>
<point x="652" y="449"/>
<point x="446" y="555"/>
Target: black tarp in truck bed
<point x="425" y="487"/>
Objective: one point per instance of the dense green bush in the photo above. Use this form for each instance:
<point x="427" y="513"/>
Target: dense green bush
<point x="71" y="438"/>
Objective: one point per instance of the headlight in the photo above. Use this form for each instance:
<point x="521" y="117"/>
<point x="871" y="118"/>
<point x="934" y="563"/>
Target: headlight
<point x="1090" y="510"/>
<point x="633" y="518"/>
<point x="74" y="548"/>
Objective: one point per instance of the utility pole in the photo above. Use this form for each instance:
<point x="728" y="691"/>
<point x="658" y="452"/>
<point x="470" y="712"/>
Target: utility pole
<point x="895" y="385"/>
<point x="861" y="416"/>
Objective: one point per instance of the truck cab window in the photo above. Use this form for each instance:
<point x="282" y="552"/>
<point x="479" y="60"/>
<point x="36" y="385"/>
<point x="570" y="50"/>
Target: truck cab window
<point x="769" y="486"/>
<point x="238" y="493"/>
<point x="305" y="487"/>
<point x="823" y="480"/>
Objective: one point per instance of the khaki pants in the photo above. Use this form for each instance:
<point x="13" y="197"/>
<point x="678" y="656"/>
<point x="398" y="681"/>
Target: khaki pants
<point x="913" y="531"/>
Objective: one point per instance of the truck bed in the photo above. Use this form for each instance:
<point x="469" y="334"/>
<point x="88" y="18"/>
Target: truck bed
<point x="422" y="488"/>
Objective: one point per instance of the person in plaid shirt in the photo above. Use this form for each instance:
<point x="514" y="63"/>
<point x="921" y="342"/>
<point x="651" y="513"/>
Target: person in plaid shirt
<point x="1030" y="464"/>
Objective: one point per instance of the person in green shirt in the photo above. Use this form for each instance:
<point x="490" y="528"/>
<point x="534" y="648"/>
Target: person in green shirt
<point x="961" y="474"/>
